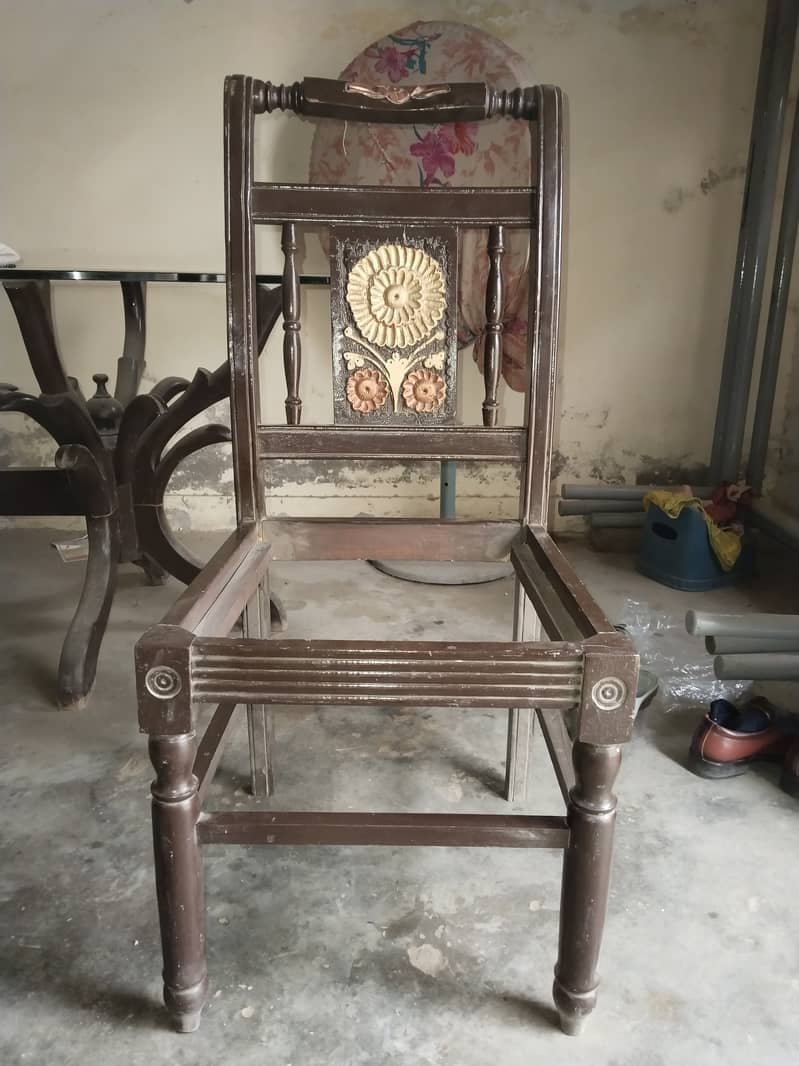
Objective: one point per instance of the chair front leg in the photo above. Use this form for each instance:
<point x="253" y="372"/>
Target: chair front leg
<point x="178" y="877"/>
<point x="586" y="880"/>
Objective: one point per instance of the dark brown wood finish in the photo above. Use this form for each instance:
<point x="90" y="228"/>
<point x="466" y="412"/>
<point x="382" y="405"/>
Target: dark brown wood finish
<point x="192" y="659"/>
<point x="210" y="749"/>
<point x="345" y="205"/>
<point x="495" y="298"/>
<point x="39" y="491"/>
<point x="459" y="540"/>
<point x="241" y="303"/>
<point x="292" y="345"/>
<point x="423" y="675"/>
<point x="403" y="830"/>
<point x="507" y="445"/>
<point x="132" y="461"/>
<point x="178" y="876"/>
<point x="352" y="102"/>
<point x="544" y="304"/>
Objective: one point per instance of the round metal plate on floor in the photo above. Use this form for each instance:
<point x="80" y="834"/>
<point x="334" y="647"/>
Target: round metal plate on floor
<point x="434" y="573"/>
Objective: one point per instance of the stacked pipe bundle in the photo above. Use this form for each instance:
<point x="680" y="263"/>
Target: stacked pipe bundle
<point x="612" y="506"/>
<point x="749" y="647"/>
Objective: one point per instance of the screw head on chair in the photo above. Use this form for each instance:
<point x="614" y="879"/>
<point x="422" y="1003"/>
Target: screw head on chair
<point x="162" y="682"/>
<point x="609" y="693"/>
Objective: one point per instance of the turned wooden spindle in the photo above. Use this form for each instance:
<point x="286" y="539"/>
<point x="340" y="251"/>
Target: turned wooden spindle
<point x="292" y="347"/>
<point x="492" y="352"/>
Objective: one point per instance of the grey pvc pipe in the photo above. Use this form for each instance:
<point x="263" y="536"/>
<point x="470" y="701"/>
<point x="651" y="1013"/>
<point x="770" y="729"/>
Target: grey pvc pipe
<point x="758" y="204"/>
<point x="749" y="644"/>
<point x="568" y="507"/>
<point x="616" y="521"/>
<point x="621" y="492"/>
<point x="705" y="624"/>
<point x="764" y="75"/>
<point x="775" y="327"/>
<point x="770" y="666"/>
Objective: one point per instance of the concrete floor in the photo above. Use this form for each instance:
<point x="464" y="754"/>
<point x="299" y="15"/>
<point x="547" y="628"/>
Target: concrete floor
<point x="405" y="956"/>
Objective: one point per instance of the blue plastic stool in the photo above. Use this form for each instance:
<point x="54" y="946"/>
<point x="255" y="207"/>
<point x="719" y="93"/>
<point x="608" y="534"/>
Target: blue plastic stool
<point x="677" y="552"/>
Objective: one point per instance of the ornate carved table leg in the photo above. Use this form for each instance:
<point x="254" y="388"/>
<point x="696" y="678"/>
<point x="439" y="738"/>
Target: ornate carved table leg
<point x="586" y="878"/>
<point x="130" y="365"/>
<point x="88" y="464"/>
<point x="178" y="876"/>
<point x="78" y="664"/>
<point x="151" y="422"/>
<point x="32" y="307"/>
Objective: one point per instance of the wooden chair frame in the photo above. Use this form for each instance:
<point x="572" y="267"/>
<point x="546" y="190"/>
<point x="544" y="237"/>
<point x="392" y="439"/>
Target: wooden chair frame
<point x="191" y="658"/>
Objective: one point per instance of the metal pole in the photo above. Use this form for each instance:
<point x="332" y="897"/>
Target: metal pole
<point x="747" y="293"/>
<point x="449" y="471"/>
<point x="772" y="346"/>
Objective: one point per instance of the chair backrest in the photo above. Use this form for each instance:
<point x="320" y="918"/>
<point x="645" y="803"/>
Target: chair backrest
<point x="394" y="262"/>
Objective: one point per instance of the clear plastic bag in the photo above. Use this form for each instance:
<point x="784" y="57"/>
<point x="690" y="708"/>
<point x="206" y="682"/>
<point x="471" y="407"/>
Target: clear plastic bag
<point x="679" y="661"/>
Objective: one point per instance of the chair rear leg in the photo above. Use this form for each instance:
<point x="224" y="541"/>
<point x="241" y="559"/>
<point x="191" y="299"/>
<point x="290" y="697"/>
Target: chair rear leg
<point x="586" y="879"/>
<point x="260" y="719"/>
<point x="521" y="720"/>
<point x="178" y="878"/>
<point x="260" y="731"/>
<point x="521" y="728"/>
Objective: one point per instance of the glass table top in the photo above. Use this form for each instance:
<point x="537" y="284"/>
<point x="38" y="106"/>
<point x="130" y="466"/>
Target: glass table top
<point x="192" y="277"/>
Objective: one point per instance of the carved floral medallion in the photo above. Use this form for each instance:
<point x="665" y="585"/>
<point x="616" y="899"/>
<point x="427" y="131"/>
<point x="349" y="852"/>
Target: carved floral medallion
<point x="424" y="390"/>
<point x="366" y="390"/>
<point x="394" y="349"/>
<point x="396" y="295"/>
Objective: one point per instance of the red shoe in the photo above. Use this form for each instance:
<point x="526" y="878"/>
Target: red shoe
<point x="729" y="739"/>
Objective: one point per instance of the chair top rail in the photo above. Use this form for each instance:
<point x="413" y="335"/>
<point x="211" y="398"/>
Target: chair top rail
<point x="352" y="101"/>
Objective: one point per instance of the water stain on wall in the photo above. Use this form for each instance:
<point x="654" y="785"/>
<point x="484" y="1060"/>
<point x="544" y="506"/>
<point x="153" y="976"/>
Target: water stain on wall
<point x="676" y="197"/>
<point x="682" y="21"/>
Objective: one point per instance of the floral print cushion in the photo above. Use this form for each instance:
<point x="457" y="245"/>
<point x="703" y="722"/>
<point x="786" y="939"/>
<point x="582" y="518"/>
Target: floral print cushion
<point x="497" y="152"/>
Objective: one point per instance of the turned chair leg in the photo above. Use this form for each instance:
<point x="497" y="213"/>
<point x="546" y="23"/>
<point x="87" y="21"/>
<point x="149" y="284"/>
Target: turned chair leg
<point x="586" y="879"/>
<point x="178" y="878"/>
<point x="260" y="719"/>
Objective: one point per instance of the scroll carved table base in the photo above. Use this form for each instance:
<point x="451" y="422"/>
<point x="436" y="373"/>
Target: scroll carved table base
<point x="113" y="476"/>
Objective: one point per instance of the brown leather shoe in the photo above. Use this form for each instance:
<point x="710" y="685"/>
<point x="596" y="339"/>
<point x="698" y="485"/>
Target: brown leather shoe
<point x="729" y="739"/>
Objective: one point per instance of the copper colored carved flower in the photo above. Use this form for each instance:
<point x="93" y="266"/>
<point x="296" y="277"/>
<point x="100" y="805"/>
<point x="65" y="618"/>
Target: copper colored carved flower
<point x="424" y="390"/>
<point x="366" y="391"/>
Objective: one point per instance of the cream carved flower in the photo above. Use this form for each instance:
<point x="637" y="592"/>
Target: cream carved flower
<point x="366" y="390"/>
<point x="424" y="390"/>
<point x="397" y="295"/>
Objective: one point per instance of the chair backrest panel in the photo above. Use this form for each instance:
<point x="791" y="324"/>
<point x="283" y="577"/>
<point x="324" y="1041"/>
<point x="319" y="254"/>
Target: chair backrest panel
<point x="405" y="237"/>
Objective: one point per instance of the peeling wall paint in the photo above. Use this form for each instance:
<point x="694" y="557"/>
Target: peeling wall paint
<point x="660" y="98"/>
